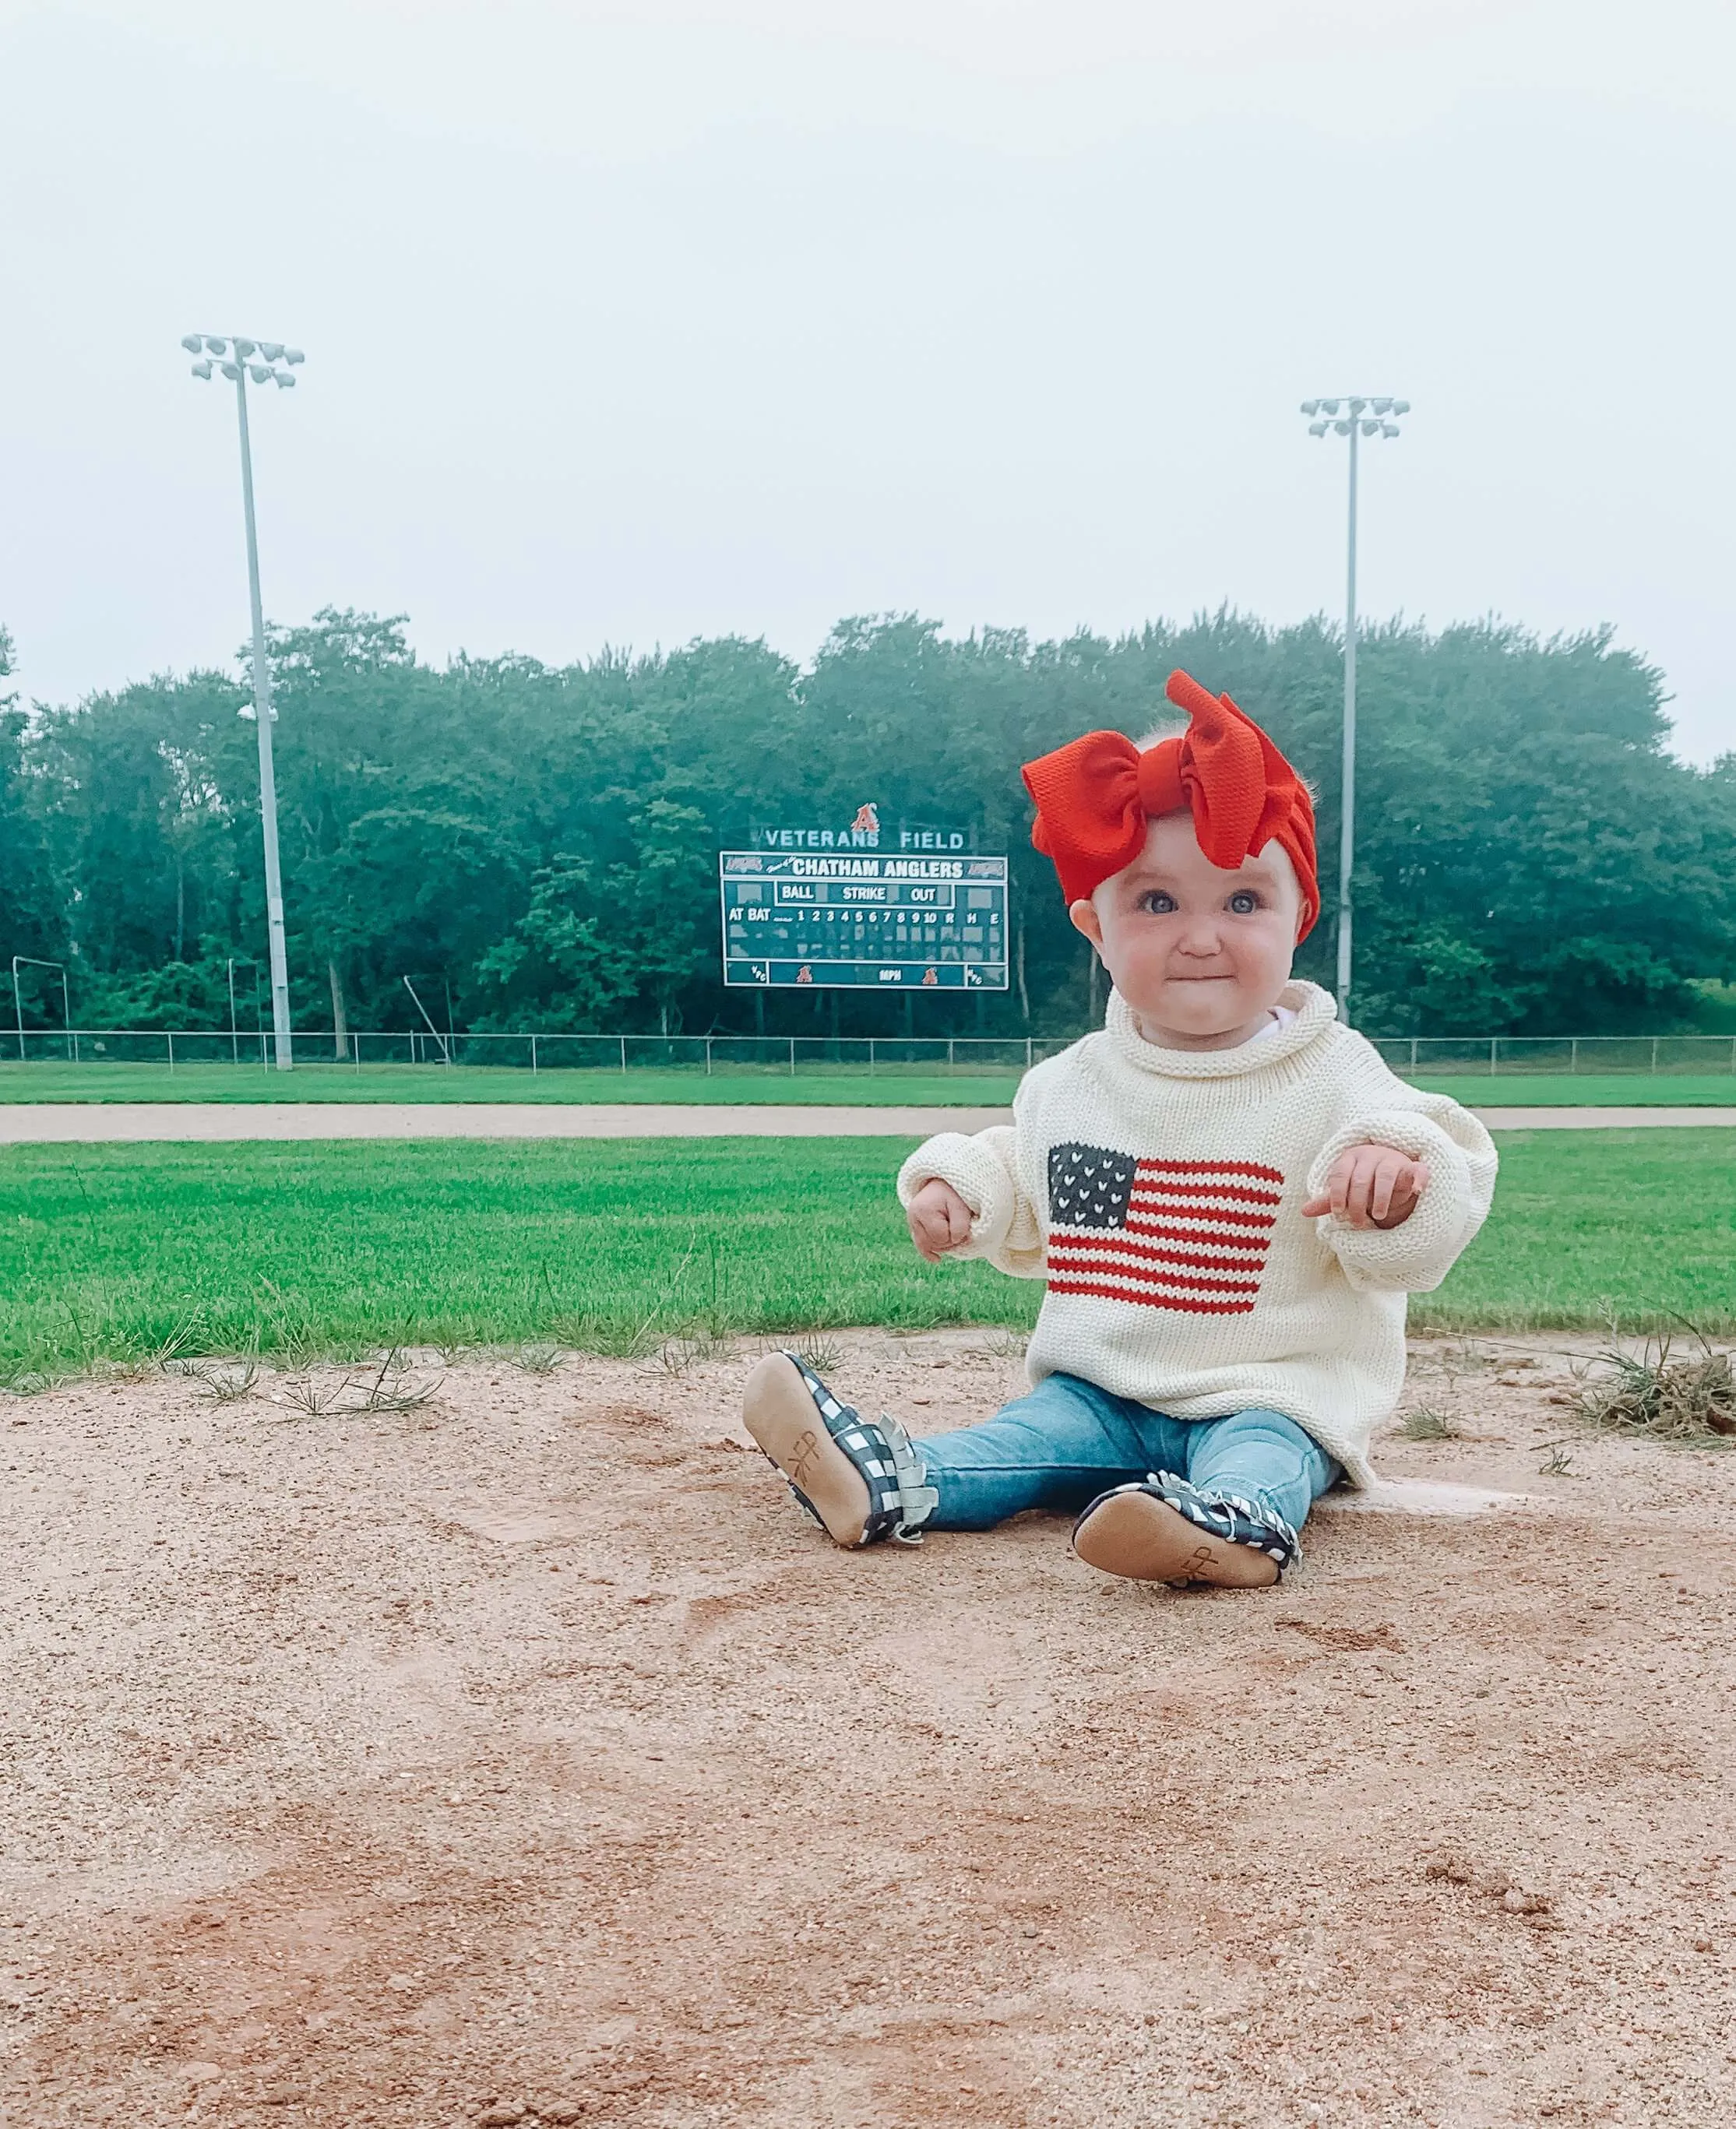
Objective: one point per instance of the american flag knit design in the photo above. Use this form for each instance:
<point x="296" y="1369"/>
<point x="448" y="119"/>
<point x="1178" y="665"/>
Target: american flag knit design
<point x="1190" y="1236"/>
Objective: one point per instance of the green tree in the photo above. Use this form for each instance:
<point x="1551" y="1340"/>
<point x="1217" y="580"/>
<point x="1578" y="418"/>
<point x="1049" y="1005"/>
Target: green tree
<point x="1530" y="854"/>
<point x="557" y="970"/>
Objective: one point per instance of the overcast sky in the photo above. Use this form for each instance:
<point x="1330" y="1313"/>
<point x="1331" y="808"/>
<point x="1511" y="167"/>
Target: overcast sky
<point x="629" y="324"/>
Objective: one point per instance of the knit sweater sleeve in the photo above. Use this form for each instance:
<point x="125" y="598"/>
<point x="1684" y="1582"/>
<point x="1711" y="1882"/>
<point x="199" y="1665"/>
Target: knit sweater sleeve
<point x="994" y="1172"/>
<point x="1415" y="1257"/>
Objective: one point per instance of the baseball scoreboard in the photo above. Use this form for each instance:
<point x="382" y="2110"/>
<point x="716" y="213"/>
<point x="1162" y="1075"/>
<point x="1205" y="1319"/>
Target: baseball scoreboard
<point x="852" y="916"/>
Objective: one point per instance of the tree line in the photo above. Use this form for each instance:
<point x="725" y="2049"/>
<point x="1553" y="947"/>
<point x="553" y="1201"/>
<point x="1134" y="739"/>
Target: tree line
<point x="542" y="841"/>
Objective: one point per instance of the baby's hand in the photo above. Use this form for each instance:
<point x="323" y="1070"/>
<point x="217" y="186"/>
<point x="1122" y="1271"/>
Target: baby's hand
<point x="939" y="1218"/>
<point x="1372" y="1186"/>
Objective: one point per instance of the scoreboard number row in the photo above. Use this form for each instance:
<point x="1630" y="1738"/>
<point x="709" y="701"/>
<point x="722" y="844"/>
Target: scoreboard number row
<point x="859" y="918"/>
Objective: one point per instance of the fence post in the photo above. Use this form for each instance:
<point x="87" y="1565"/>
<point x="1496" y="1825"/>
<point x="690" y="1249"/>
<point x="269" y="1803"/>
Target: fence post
<point x="949" y="1052"/>
<point x="1027" y="1053"/>
<point x="1493" y="1042"/>
<point x="708" y="1056"/>
<point x="1654" y="1052"/>
<point x="623" y="1053"/>
<point x="171" y="1049"/>
<point x="1573" y="1056"/>
<point x="870" y="1057"/>
<point x="533" y="1057"/>
<point x="1413" y="1053"/>
<point x="792" y="1057"/>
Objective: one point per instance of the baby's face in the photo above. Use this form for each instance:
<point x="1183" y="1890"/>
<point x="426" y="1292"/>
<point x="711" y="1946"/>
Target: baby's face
<point x="1200" y="954"/>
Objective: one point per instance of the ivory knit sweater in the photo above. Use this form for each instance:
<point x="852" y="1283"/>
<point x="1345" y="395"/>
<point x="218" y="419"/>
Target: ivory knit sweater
<point x="1159" y="1192"/>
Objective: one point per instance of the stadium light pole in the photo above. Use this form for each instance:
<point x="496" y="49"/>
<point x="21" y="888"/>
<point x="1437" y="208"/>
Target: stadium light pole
<point x="234" y="356"/>
<point x="1355" y="418"/>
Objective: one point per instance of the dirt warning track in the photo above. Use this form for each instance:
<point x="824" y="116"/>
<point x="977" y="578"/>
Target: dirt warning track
<point x="45" y="1123"/>
<point x="523" y="1757"/>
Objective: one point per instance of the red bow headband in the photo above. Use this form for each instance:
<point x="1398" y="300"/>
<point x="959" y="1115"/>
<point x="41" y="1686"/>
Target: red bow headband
<point x="1095" y="796"/>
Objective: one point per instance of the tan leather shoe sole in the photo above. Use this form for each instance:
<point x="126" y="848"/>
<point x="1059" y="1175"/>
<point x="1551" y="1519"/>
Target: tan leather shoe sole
<point x="780" y="1416"/>
<point x="1147" y="1540"/>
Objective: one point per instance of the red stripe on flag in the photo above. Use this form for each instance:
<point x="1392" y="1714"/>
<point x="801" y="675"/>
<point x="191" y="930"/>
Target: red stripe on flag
<point x="1159" y="1188"/>
<point x="1211" y="1168"/>
<point x="1227" y="1218"/>
<point x="1253" y="1246"/>
<point x="1202" y="1238"/>
<point x="1184" y="1307"/>
<point x="1151" y="1275"/>
<point x="1072" y="1239"/>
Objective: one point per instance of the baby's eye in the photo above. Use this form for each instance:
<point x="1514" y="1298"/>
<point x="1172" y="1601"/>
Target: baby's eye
<point x="1244" y="902"/>
<point x="1159" y="903"/>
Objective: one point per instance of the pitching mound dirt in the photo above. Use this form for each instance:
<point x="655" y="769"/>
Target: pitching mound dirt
<point x="523" y="1757"/>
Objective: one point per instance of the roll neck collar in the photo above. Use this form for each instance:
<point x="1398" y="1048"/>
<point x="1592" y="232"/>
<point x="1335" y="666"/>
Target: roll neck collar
<point x="1315" y="1011"/>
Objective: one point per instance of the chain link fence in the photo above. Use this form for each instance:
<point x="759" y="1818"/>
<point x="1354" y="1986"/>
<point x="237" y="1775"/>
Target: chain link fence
<point x="701" y="1055"/>
<point x="704" y="1056"/>
<point x="1514" y="1056"/>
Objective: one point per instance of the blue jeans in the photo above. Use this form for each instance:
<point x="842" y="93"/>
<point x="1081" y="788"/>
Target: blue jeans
<point x="1068" y="1441"/>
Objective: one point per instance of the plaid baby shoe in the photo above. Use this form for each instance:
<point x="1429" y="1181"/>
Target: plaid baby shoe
<point x="900" y="1499"/>
<point x="1229" y="1517"/>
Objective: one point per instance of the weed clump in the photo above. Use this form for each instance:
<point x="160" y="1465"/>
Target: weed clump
<point x="219" y="1385"/>
<point x="23" y="1382"/>
<point x="1688" y="1399"/>
<point x="1424" y="1424"/>
<point x="613" y="1337"/>
<point x="391" y="1390"/>
<point x="679" y="1355"/>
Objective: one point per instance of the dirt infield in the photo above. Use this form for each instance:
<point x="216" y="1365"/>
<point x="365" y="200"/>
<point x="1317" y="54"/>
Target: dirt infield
<point x="523" y="1757"/>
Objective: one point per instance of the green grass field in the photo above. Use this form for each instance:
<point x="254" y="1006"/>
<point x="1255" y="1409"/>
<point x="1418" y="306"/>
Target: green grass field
<point x="123" y="1252"/>
<point x="827" y="1086"/>
<point x="1613" y="1090"/>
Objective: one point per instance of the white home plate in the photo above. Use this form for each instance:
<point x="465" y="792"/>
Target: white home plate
<point x="1419" y="1496"/>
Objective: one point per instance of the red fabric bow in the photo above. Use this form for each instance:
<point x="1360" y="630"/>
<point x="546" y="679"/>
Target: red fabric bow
<point x="1095" y="796"/>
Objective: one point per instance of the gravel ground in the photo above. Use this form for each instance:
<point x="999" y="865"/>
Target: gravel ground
<point x="90" y="1123"/>
<point x="521" y="1755"/>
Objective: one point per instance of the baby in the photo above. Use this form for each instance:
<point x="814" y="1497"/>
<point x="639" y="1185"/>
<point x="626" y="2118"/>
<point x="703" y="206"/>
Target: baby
<point x="1227" y="1193"/>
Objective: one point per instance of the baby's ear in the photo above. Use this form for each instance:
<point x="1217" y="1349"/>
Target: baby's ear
<point x="1084" y="917"/>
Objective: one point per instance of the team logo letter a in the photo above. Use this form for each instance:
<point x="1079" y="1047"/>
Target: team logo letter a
<point x="867" y="821"/>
